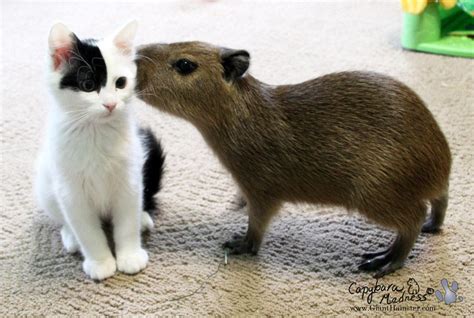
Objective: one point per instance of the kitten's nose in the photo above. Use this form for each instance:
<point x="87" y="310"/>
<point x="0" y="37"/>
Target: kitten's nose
<point x="110" y="106"/>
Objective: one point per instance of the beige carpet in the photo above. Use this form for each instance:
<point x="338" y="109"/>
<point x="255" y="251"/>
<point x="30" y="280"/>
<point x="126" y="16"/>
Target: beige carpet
<point x="310" y="255"/>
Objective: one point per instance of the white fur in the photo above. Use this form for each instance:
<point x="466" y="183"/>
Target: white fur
<point x="90" y="166"/>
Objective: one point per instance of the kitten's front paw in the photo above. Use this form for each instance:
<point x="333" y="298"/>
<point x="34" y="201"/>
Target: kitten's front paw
<point x="100" y="270"/>
<point x="132" y="262"/>
<point x="69" y="240"/>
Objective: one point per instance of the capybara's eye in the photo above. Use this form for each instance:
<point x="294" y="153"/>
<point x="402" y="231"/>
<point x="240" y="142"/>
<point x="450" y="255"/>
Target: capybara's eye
<point x="184" y="66"/>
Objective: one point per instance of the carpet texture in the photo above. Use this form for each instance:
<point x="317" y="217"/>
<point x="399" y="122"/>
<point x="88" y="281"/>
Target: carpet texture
<point x="310" y="255"/>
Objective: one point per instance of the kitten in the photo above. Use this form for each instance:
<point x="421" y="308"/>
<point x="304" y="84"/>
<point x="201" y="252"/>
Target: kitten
<point x="95" y="163"/>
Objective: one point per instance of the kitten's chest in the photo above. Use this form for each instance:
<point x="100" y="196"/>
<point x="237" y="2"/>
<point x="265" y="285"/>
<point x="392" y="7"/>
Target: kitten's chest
<point x="94" y="153"/>
<point x="99" y="163"/>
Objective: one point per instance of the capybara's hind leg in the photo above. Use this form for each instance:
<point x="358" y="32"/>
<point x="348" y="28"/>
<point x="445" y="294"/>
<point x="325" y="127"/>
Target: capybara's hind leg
<point x="376" y="260"/>
<point x="378" y="253"/>
<point x="397" y="253"/>
<point x="388" y="261"/>
<point x="436" y="218"/>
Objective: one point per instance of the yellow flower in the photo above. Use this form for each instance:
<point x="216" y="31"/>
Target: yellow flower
<point x="417" y="6"/>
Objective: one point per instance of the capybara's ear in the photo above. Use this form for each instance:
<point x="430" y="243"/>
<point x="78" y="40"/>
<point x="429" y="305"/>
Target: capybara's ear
<point x="235" y="63"/>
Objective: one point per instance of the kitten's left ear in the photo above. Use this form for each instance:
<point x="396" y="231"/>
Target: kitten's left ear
<point x="123" y="39"/>
<point x="61" y="43"/>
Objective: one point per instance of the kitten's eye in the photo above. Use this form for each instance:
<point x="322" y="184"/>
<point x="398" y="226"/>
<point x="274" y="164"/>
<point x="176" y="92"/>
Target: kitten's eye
<point x="121" y="82"/>
<point x="87" y="85"/>
<point x="184" y="66"/>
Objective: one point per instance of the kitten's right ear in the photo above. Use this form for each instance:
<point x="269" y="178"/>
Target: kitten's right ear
<point x="123" y="39"/>
<point x="61" y="42"/>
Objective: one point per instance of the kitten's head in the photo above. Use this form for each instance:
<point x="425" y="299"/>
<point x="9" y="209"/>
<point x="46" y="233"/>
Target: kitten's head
<point x="92" y="79"/>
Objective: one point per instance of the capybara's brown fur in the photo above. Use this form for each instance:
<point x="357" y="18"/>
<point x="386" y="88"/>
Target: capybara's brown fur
<point x="361" y="140"/>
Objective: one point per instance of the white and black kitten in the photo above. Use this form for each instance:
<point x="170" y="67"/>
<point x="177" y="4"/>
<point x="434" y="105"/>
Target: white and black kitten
<point x="95" y="162"/>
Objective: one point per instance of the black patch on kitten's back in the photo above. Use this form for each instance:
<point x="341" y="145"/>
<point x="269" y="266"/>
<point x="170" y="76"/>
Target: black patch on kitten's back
<point x="86" y="63"/>
<point x="152" y="168"/>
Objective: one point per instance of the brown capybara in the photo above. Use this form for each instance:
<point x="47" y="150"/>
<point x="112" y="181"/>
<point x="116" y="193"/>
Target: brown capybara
<point x="361" y="140"/>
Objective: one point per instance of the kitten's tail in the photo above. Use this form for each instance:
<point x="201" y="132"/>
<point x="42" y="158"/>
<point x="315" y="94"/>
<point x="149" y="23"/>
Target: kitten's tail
<point x="152" y="168"/>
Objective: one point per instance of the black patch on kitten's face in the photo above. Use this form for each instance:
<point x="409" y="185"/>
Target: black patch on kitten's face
<point x="86" y="70"/>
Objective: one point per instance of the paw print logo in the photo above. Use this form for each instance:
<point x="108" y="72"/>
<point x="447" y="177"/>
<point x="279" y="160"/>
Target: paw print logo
<point x="450" y="293"/>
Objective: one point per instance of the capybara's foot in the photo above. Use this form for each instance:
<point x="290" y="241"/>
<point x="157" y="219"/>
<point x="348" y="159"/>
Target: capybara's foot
<point x="391" y="259"/>
<point x="374" y="254"/>
<point x="375" y="262"/>
<point x="430" y="227"/>
<point x="388" y="269"/>
<point x="382" y="263"/>
<point x="241" y="245"/>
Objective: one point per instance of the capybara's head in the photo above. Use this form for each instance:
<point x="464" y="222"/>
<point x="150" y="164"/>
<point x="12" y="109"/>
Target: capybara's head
<point x="189" y="79"/>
